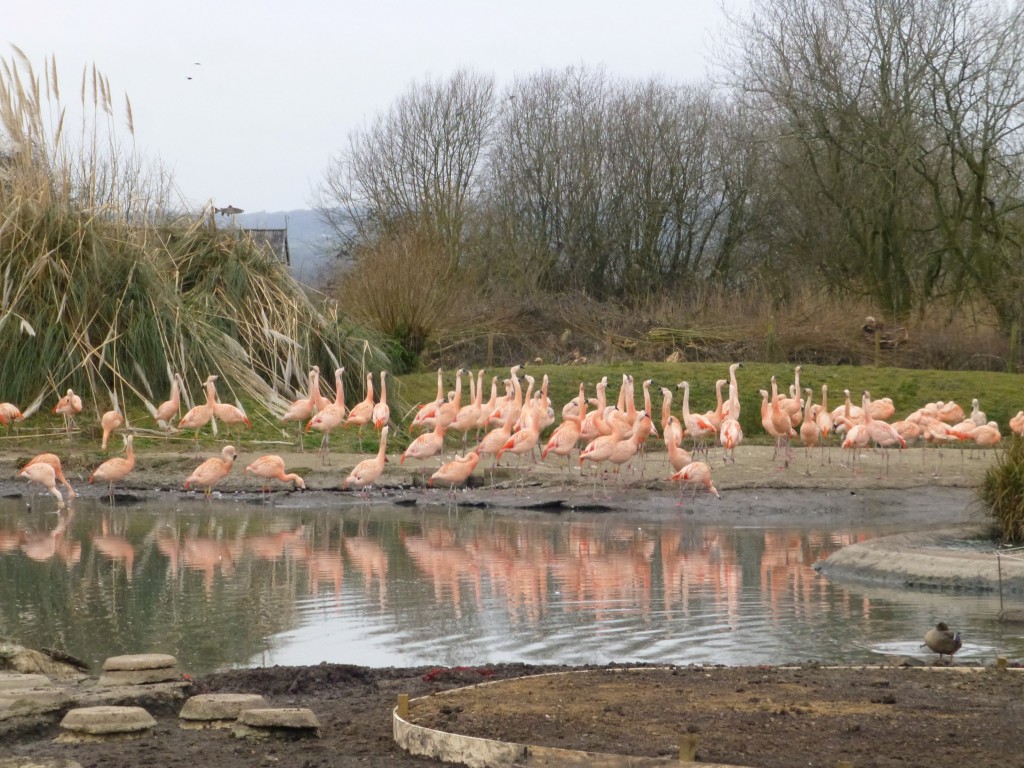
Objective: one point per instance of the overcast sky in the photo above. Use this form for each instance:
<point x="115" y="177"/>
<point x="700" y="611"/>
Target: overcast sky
<point x="276" y="87"/>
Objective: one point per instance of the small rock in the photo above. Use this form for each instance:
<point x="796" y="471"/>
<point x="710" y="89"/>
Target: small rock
<point x="285" y="722"/>
<point x="28" y="702"/>
<point x="38" y="762"/>
<point x="22" y="681"/>
<point x="139" y="669"/>
<point x="218" y="710"/>
<point x="136" y="661"/>
<point x="86" y="722"/>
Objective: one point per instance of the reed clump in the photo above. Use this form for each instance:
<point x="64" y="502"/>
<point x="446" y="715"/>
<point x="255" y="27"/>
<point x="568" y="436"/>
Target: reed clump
<point x="1002" y="492"/>
<point x="107" y="290"/>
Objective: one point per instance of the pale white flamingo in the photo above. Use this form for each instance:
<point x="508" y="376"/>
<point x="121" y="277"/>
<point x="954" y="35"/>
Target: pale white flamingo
<point x="69" y="406"/>
<point x="977" y="415"/>
<point x="43" y="474"/>
<point x="54" y="461"/>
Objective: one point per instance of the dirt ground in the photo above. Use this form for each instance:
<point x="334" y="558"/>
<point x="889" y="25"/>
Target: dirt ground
<point x="763" y="716"/>
<point x="754" y="716"/>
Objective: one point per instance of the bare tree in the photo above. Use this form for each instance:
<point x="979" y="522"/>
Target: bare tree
<point x="894" y="118"/>
<point x="418" y="162"/>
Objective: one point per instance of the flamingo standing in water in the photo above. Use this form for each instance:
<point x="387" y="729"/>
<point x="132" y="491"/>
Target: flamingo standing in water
<point x="54" y="461"/>
<point x="212" y="471"/>
<point x="455" y="472"/>
<point x="115" y="469"/>
<point x="368" y="471"/>
<point x="43" y="474"/>
<point x="271" y="467"/>
<point x="693" y="474"/>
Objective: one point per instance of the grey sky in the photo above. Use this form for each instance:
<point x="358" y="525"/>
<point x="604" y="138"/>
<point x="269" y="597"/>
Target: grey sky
<point x="279" y="85"/>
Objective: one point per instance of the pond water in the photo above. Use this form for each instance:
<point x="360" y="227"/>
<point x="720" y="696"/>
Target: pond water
<point x="243" y="583"/>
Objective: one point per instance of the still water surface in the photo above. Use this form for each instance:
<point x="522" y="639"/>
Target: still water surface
<point x="233" y="583"/>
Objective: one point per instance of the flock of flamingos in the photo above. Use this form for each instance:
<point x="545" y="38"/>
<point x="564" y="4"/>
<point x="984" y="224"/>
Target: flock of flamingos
<point x="611" y="435"/>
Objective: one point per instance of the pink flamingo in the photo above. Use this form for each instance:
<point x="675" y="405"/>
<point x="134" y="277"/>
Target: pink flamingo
<point x="115" y="469"/>
<point x="381" y="414"/>
<point x="455" y="472"/>
<point x="693" y="474"/>
<point x="212" y="471"/>
<point x="110" y="421"/>
<point x="809" y="432"/>
<point x="271" y="467"/>
<point x="362" y="412"/>
<point x="199" y="416"/>
<point x="368" y="471"/>
<point x="168" y="409"/>
<point x="328" y="419"/>
<point x="302" y="410"/>
<point x="697" y="426"/>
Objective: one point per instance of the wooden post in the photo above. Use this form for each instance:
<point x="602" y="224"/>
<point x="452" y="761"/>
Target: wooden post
<point x="490" y="350"/>
<point x="403" y="706"/>
<point x="1001" y="662"/>
<point x="688" y="748"/>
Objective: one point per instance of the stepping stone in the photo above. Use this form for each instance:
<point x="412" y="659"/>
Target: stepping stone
<point x="217" y="710"/>
<point x="26" y="702"/>
<point x="24" y="761"/>
<point x="283" y="723"/>
<point x="139" y="669"/>
<point x="98" y="723"/>
<point x="19" y="682"/>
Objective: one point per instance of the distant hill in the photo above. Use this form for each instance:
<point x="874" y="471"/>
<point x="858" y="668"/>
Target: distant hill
<point x="309" y="239"/>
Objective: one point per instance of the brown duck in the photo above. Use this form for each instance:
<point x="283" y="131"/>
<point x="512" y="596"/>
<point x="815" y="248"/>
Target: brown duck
<point x="942" y="640"/>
